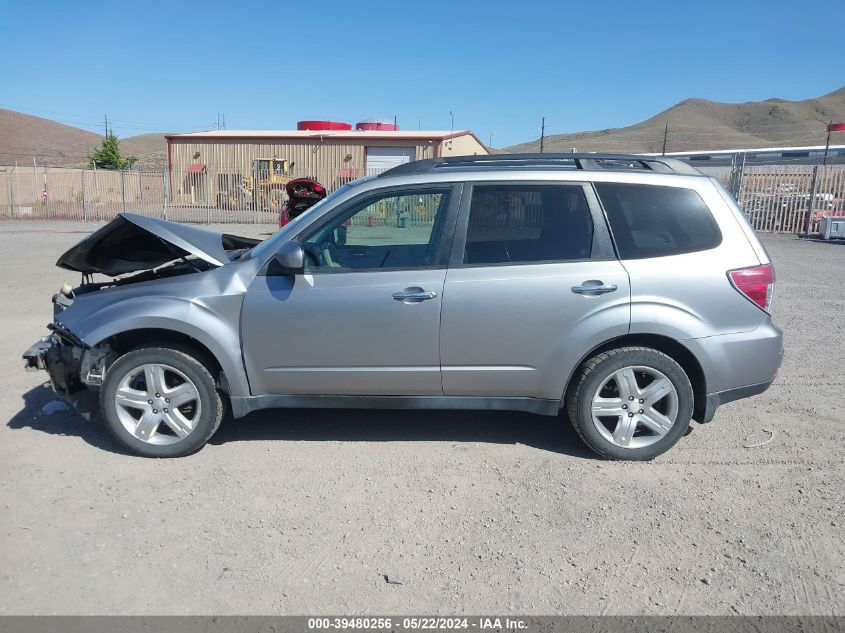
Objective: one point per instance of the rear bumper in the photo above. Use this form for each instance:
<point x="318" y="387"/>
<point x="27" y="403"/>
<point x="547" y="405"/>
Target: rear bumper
<point x="713" y="400"/>
<point x="737" y="365"/>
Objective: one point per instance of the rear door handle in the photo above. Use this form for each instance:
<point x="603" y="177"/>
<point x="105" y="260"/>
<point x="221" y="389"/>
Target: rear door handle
<point x="414" y="294"/>
<point x="593" y="288"/>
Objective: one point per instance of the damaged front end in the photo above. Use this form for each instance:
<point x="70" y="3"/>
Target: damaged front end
<point x="137" y="252"/>
<point x="75" y="369"/>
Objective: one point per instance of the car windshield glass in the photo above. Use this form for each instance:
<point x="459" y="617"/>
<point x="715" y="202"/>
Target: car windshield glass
<point x="273" y="240"/>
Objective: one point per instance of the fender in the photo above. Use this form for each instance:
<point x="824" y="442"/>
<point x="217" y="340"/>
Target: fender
<point x="213" y="321"/>
<point x="669" y="327"/>
<point x="657" y="315"/>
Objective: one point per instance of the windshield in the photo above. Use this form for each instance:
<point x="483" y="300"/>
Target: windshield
<point x="270" y="243"/>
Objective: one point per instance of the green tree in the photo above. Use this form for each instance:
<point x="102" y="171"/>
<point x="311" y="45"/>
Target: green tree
<point x="108" y="155"/>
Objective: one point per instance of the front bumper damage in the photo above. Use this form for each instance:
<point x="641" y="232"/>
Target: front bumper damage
<point x="36" y="356"/>
<point x="75" y="369"/>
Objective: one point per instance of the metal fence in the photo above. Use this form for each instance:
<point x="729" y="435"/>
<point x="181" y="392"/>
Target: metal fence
<point x="785" y="198"/>
<point x="52" y="193"/>
<point x="211" y="194"/>
<point x="776" y="198"/>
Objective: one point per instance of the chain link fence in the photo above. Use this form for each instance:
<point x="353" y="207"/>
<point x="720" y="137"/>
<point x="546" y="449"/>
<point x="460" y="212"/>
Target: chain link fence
<point x="785" y="198"/>
<point x="776" y="198"/>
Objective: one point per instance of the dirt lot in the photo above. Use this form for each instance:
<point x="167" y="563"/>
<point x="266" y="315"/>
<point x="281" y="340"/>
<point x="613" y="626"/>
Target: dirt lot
<point x="306" y="511"/>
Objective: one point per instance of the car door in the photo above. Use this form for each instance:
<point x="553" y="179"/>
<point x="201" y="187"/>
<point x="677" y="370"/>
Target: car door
<point x="364" y="317"/>
<point x="533" y="284"/>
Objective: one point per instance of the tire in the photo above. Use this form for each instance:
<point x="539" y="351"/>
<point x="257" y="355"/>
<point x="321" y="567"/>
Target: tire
<point x="603" y="386"/>
<point x="157" y="428"/>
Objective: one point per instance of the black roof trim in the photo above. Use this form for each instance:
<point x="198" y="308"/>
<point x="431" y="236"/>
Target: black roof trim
<point x="584" y="161"/>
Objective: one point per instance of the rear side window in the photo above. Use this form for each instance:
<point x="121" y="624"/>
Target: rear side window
<point x="528" y="223"/>
<point x="652" y="221"/>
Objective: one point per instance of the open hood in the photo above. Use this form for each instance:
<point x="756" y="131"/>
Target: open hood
<point x="130" y="243"/>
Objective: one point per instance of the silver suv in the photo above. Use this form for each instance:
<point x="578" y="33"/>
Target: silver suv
<point x="625" y="292"/>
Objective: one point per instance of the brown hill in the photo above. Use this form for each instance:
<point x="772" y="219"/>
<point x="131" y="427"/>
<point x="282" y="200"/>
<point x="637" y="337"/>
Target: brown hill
<point x="151" y="149"/>
<point x="24" y="137"/>
<point x="698" y="124"/>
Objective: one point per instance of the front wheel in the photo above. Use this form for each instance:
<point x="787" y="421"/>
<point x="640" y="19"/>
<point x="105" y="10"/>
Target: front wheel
<point x="630" y="403"/>
<point x="160" y="402"/>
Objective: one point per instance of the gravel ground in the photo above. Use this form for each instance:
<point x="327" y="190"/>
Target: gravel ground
<point x="306" y="511"/>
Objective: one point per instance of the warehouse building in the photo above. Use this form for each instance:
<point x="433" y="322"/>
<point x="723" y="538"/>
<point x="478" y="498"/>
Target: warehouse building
<point x="208" y="167"/>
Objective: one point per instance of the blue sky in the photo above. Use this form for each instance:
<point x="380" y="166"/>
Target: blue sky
<point x="499" y="66"/>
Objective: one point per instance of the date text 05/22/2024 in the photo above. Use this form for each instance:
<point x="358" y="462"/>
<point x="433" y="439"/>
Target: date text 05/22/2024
<point x="417" y="623"/>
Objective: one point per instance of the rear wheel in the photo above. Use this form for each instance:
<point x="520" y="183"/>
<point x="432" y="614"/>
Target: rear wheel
<point x="630" y="403"/>
<point x="160" y="402"/>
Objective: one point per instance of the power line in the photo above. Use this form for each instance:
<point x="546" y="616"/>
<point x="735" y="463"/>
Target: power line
<point x="93" y="120"/>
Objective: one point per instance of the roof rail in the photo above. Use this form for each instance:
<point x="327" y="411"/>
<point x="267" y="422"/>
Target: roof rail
<point x="584" y="161"/>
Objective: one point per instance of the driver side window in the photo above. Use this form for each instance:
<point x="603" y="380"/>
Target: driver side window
<point x="399" y="229"/>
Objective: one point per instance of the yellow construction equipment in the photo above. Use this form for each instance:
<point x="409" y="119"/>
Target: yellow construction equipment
<point x="264" y="187"/>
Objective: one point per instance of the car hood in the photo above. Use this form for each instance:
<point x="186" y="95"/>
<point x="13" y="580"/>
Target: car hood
<point x="131" y="243"/>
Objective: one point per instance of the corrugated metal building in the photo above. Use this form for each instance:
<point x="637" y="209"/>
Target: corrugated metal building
<point x="203" y="164"/>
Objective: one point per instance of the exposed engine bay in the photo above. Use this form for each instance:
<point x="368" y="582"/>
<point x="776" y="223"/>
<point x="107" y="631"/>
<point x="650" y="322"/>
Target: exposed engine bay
<point x="187" y="266"/>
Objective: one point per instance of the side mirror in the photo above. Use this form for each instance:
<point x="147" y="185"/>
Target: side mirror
<point x="291" y="258"/>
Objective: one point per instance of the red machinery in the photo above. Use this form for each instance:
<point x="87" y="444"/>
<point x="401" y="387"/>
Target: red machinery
<point x="303" y="193"/>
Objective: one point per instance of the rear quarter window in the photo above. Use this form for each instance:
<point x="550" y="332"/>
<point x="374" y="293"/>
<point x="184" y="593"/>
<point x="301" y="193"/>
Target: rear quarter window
<point x="655" y="221"/>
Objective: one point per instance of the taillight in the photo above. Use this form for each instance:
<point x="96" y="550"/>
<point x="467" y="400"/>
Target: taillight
<point x="757" y="283"/>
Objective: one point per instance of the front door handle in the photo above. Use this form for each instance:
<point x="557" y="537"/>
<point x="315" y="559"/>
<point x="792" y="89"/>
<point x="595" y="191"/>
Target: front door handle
<point x="593" y="288"/>
<point x="415" y="294"/>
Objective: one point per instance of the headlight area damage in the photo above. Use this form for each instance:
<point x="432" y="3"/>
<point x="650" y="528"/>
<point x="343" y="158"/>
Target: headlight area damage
<point x="152" y="249"/>
<point x="75" y="369"/>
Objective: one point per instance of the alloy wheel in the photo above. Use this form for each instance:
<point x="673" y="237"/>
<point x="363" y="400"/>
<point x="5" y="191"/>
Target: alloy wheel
<point x="635" y="406"/>
<point x="157" y="404"/>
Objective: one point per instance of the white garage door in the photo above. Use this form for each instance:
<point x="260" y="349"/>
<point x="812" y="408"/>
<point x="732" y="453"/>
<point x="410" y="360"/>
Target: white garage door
<point x="380" y="159"/>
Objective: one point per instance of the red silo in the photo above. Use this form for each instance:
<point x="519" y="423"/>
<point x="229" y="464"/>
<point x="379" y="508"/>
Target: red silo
<point x="380" y="125"/>
<point x="316" y="126"/>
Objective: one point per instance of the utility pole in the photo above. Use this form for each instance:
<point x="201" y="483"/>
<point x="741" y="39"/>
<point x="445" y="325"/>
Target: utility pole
<point x="808" y="227"/>
<point x="542" y="134"/>
<point x="827" y="143"/>
<point x="665" y="136"/>
<point x="107" y="125"/>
